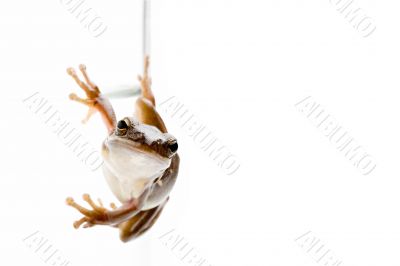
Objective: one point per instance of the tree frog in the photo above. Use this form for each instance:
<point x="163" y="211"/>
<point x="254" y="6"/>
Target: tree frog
<point x="140" y="161"/>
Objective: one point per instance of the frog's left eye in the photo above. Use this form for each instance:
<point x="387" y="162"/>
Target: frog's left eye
<point x="122" y="127"/>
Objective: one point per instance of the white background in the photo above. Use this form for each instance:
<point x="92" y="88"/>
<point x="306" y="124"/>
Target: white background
<point x="239" y="66"/>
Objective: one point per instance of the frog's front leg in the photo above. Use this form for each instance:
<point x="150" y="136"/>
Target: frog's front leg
<point x="102" y="216"/>
<point x="95" y="100"/>
<point x="146" y="105"/>
<point x="145" y="82"/>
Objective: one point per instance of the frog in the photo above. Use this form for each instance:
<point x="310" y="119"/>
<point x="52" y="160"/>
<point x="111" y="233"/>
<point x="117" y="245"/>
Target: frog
<point x="140" y="160"/>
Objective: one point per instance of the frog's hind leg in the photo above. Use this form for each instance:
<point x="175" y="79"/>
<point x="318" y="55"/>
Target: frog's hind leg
<point x="94" y="99"/>
<point x="145" y="104"/>
<point x="140" y="223"/>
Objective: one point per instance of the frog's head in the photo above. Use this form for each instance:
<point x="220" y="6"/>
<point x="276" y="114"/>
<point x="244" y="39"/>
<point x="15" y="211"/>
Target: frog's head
<point x="137" y="152"/>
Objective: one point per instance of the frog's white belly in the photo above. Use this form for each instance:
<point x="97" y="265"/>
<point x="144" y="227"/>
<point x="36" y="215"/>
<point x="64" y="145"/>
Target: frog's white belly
<point x="129" y="170"/>
<point x="132" y="184"/>
<point x="126" y="187"/>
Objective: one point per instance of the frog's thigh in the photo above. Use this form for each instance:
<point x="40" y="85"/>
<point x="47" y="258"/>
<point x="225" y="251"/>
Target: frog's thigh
<point x="146" y="113"/>
<point x="139" y="224"/>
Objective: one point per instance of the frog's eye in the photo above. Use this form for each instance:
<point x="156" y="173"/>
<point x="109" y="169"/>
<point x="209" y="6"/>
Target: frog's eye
<point x="173" y="146"/>
<point x="122" y="127"/>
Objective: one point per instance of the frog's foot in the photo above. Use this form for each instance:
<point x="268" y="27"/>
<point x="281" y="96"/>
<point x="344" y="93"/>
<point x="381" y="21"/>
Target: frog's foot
<point x="91" y="90"/>
<point x="145" y="82"/>
<point x="112" y="204"/>
<point x="90" y="103"/>
<point x="98" y="214"/>
<point x="95" y="101"/>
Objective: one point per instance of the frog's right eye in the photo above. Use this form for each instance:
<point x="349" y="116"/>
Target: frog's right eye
<point x="122" y="127"/>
